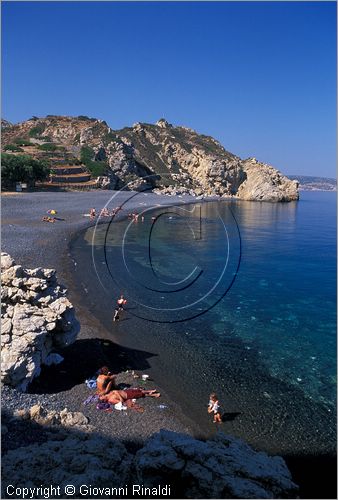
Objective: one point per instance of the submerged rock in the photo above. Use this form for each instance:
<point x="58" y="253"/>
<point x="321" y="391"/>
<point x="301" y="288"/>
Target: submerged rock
<point x="36" y="319"/>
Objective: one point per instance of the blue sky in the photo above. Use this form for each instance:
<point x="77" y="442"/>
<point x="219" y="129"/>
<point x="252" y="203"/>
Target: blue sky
<point x="258" y="76"/>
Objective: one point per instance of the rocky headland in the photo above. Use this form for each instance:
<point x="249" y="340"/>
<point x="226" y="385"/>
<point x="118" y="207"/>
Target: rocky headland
<point x="165" y="158"/>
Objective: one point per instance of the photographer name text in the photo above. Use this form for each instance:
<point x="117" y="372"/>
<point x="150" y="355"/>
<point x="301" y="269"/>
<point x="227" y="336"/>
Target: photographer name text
<point x="86" y="490"/>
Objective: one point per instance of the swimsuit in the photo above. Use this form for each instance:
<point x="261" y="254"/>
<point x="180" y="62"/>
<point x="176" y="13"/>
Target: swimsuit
<point x="134" y="393"/>
<point x="214" y="406"/>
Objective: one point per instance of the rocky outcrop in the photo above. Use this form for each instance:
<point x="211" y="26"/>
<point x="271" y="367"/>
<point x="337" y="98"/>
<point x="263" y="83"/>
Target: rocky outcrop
<point x="36" y="319"/>
<point x="5" y="124"/>
<point x="222" y="467"/>
<point x="42" y="416"/>
<point x="76" y="461"/>
<point x="265" y="182"/>
<point x="162" y="157"/>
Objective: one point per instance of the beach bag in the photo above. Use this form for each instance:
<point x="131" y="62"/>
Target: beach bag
<point x="103" y="406"/>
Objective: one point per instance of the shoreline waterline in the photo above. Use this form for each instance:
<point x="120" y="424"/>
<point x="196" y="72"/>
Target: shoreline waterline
<point x="251" y="409"/>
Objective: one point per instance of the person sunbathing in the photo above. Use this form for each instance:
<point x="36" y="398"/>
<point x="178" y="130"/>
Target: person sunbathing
<point x="121" y="396"/>
<point x="46" y="218"/>
<point x="105" y="382"/>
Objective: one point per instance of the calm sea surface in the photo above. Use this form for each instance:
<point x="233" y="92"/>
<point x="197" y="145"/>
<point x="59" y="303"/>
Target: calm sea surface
<point x="235" y="293"/>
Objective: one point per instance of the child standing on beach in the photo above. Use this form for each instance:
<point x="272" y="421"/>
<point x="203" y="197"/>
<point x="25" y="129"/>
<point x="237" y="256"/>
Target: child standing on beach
<point x="214" y="407"/>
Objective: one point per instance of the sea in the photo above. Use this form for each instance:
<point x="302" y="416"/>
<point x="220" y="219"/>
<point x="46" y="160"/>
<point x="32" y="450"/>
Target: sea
<point x="231" y="296"/>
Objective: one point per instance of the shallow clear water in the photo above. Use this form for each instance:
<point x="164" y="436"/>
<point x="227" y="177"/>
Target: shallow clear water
<point x="233" y="296"/>
<point x="282" y="302"/>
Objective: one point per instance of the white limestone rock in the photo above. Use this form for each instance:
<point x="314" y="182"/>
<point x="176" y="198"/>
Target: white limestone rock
<point x="265" y="183"/>
<point x="76" y="460"/>
<point x="6" y="261"/>
<point x="36" y="319"/>
<point x="222" y="467"/>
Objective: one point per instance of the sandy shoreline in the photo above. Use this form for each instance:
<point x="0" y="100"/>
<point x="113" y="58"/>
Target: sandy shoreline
<point x="36" y="244"/>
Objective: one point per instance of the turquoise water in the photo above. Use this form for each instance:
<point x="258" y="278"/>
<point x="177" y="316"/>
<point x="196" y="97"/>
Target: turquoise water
<point x="282" y="302"/>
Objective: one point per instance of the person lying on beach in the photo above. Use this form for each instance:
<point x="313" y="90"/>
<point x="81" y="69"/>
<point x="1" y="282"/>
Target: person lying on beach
<point x="46" y="218"/>
<point x="105" y="382"/>
<point x="214" y="407"/>
<point x="121" y="396"/>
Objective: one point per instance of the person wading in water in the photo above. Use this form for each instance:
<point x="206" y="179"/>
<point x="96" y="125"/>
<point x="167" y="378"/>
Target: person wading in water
<point x="121" y="302"/>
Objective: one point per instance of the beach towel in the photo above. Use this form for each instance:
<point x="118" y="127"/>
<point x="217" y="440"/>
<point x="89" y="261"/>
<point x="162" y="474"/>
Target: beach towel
<point x="91" y="399"/>
<point x="120" y="406"/>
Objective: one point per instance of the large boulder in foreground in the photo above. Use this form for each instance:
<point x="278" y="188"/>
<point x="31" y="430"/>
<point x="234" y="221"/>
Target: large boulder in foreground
<point x="222" y="467"/>
<point x="36" y="319"/>
<point x="77" y="460"/>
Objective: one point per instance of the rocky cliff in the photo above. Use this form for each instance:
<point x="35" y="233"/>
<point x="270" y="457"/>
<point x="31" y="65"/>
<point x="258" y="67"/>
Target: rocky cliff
<point x="163" y="157"/>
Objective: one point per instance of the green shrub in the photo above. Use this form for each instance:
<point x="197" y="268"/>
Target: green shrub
<point x="87" y="118"/>
<point x="22" y="142"/>
<point x="48" y="146"/>
<point x="22" y="168"/>
<point x="97" y="168"/>
<point x="36" y="131"/>
<point x="12" y="147"/>
<point x="73" y="161"/>
<point x="87" y="154"/>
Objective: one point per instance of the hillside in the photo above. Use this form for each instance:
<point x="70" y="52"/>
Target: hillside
<point x="310" y="183"/>
<point x="164" y="157"/>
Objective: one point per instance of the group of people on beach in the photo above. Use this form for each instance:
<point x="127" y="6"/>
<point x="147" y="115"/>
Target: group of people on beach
<point x="106" y="381"/>
<point x="134" y="217"/>
<point x="48" y="218"/>
<point x="104" y="212"/>
<point x="109" y="393"/>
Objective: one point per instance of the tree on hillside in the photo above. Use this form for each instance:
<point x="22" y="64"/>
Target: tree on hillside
<point x="22" y="168"/>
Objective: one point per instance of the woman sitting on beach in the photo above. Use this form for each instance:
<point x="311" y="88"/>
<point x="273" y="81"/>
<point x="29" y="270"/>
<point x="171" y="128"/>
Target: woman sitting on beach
<point x="105" y="382"/>
<point x="121" y="396"/>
